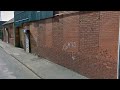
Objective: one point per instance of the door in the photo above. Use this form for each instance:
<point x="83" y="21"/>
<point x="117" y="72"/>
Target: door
<point x="7" y="35"/>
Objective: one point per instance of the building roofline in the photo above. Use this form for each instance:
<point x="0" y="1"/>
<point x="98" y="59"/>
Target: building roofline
<point x="9" y="22"/>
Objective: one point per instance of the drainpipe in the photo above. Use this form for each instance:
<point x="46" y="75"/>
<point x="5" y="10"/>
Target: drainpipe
<point x="118" y="62"/>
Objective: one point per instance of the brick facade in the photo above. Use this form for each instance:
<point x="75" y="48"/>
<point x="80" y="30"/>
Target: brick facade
<point x="8" y="35"/>
<point x="85" y="42"/>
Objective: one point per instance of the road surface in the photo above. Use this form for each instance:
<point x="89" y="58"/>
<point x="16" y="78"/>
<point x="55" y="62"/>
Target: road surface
<point x="10" y="68"/>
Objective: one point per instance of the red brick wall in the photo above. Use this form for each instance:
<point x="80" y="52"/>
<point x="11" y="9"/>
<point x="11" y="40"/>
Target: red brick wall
<point x="10" y="36"/>
<point x="33" y="37"/>
<point x="17" y="37"/>
<point x="85" y="42"/>
<point x="108" y="43"/>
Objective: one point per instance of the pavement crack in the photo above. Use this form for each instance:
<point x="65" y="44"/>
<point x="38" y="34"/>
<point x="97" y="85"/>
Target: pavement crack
<point x="26" y="66"/>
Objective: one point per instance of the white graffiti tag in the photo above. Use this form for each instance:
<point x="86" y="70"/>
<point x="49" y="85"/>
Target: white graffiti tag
<point x="69" y="45"/>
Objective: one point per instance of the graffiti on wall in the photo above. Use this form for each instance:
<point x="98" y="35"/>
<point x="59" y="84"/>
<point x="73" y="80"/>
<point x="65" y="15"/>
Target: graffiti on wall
<point x="70" y="45"/>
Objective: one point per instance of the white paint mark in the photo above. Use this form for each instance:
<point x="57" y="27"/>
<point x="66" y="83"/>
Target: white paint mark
<point x="73" y="57"/>
<point x="69" y="45"/>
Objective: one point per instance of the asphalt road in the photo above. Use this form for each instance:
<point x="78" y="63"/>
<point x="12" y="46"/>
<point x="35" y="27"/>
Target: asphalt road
<point x="10" y="68"/>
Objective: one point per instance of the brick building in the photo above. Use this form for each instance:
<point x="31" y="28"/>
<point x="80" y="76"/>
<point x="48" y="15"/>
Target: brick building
<point x="1" y="34"/>
<point x="84" y="41"/>
<point x="8" y="32"/>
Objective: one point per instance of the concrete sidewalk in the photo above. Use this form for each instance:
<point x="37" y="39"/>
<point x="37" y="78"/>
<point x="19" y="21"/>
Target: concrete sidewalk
<point x="41" y="67"/>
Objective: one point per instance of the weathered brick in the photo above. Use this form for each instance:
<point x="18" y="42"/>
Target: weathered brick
<point x="10" y="35"/>
<point x="85" y="42"/>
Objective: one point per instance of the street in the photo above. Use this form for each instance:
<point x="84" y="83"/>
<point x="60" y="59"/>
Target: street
<point x="10" y="68"/>
<point x="15" y="63"/>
